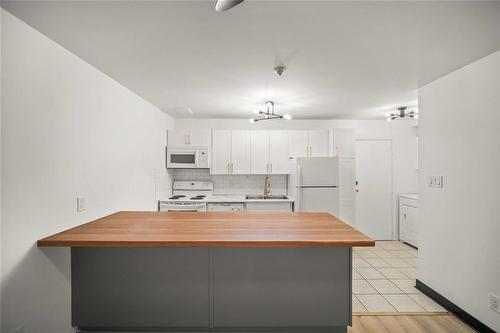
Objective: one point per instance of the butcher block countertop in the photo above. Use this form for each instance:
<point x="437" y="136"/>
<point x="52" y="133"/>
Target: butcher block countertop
<point x="211" y="229"/>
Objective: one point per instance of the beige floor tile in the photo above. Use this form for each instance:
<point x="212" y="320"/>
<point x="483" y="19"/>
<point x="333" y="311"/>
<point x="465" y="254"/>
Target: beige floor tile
<point x="412" y="261"/>
<point x="362" y="287"/>
<point x="407" y="286"/>
<point x="356" y="275"/>
<point x="357" y="306"/>
<point x="385" y="287"/>
<point x="386" y="254"/>
<point x="359" y="263"/>
<point x="391" y="273"/>
<point x="369" y="255"/>
<point x="427" y="303"/>
<point x="375" y="303"/>
<point x="402" y="254"/>
<point x="377" y="262"/>
<point x="369" y="273"/>
<point x="403" y="303"/>
<point x="388" y="245"/>
<point x="397" y="262"/>
<point x="410" y="272"/>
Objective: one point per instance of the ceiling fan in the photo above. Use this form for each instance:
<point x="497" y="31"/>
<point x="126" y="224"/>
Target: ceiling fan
<point x="223" y="5"/>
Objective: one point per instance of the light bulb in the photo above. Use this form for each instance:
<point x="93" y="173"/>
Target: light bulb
<point x="256" y="111"/>
<point x="415" y="116"/>
<point x="251" y="120"/>
<point x="287" y="116"/>
<point x="389" y="119"/>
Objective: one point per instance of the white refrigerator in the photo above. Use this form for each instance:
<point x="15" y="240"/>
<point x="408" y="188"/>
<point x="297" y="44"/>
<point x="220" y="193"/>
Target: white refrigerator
<point x="314" y="184"/>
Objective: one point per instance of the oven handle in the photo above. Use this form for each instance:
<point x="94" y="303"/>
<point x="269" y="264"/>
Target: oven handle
<point x="183" y="208"/>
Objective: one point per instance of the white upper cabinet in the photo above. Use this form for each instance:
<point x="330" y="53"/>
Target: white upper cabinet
<point x="188" y="138"/>
<point x="278" y="152"/>
<point x="298" y="143"/>
<point x="308" y="143"/>
<point x="230" y="152"/>
<point x="259" y="156"/>
<point x="240" y="152"/>
<point x="318" y="143"/>
<point x="344" y="143"/>
<point x="221" y="150"/>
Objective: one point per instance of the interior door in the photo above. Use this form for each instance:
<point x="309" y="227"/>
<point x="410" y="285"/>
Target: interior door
<point x="347" y="179"/>
<point x="259" y="157"/>
<point x="240" y="152"/>
<point x="278" y="152"/>
<point x="374" y="196"/>
<point x="220" y="152"/>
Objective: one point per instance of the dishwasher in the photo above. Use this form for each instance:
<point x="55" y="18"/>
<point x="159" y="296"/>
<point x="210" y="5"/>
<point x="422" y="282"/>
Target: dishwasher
<point x="226" y="207"/>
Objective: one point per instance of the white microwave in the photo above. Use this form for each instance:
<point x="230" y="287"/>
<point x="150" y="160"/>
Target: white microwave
<point x="188" y="158"/>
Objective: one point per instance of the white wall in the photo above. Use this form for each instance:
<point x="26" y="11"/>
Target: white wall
<point x="68" y="130"/>
<point x="401" y="133"/>
<point x="459" y="233"/>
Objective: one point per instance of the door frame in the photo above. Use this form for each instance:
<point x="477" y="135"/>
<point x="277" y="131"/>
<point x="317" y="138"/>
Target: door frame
<point x="394" y="233"/>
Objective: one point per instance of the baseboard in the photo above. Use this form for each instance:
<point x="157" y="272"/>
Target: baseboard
<point x="453" y="308"/>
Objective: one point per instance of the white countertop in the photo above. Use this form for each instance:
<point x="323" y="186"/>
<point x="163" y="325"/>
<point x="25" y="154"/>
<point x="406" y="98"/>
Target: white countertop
<point x="409" y="196"/>
<point x="229" y="198"/>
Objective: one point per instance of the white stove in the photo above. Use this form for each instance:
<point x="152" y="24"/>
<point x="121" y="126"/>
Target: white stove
<point x="188" y="196"/>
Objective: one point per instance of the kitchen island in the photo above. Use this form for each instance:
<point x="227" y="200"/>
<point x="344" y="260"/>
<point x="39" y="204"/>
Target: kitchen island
<point x="211" y="272"/>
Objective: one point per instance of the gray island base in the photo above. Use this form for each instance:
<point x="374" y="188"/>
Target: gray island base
<point x="219" y="289"/>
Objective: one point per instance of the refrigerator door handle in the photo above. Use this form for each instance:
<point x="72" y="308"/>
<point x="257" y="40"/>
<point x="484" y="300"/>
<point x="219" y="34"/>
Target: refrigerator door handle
<point x="299" y="175"/>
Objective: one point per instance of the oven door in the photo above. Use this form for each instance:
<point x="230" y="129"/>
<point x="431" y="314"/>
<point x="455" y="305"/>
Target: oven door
<point x="183" y="207"/>
<point x="182" y="158"/>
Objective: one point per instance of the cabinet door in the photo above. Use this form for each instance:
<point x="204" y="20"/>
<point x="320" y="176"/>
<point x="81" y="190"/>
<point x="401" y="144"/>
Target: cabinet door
<point x="298" y="143"/>
<point x="344" y="144"/>
<point x="408" y="224"/>
<point x="199" y="138"/>
<point x="221" y="152"/>
<point x="259" y="156"/>
<point x="279" y="206"/>
<point x="188" y="138"/>
<point x="278" y="152"/>
<point x="347" y="181"/>
<point x="240" y="152"/>
<point x="318" y="143"/>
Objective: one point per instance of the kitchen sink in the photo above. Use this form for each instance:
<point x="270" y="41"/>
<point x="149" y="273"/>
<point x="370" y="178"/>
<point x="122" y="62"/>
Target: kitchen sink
<point x="269" y="197"/>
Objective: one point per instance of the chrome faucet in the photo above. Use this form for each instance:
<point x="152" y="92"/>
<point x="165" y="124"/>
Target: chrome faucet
<point x="267" y="187"/>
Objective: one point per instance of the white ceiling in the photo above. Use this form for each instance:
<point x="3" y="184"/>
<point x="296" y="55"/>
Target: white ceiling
<point x="345" y="59"/>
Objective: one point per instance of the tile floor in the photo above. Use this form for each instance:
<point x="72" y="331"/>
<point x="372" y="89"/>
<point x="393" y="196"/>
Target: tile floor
<point x="384" y="280"/>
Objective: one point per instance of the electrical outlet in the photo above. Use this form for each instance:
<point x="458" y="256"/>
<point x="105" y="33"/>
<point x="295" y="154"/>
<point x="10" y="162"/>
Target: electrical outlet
<point x="80" y="204"/>
<point x="495" y="303"/>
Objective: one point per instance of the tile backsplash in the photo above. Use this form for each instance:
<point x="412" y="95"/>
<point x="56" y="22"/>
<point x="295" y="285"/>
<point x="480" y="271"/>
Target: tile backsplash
<point x="233" y="184"/>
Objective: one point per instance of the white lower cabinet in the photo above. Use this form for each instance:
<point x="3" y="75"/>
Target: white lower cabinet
<point x="269" y="206"/>
<point x="408" y="220"/>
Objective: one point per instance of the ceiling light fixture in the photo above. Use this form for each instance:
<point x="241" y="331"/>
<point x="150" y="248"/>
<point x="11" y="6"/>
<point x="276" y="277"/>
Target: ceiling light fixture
<point x="269" y="114"/>
<point x="402" y="113"/>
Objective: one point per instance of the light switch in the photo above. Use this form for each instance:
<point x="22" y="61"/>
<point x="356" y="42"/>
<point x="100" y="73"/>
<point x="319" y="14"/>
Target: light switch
<point x="435" y="181"/>
<point x="80" y="204"/>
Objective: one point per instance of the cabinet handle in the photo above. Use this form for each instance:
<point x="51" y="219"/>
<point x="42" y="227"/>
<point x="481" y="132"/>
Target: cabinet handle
<point x="232" y="168"/>
<point x="404" y="216"/>
<point x="271" y="167"/>
<point x="229" y="168"/>
<point x="189" y="138"/>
